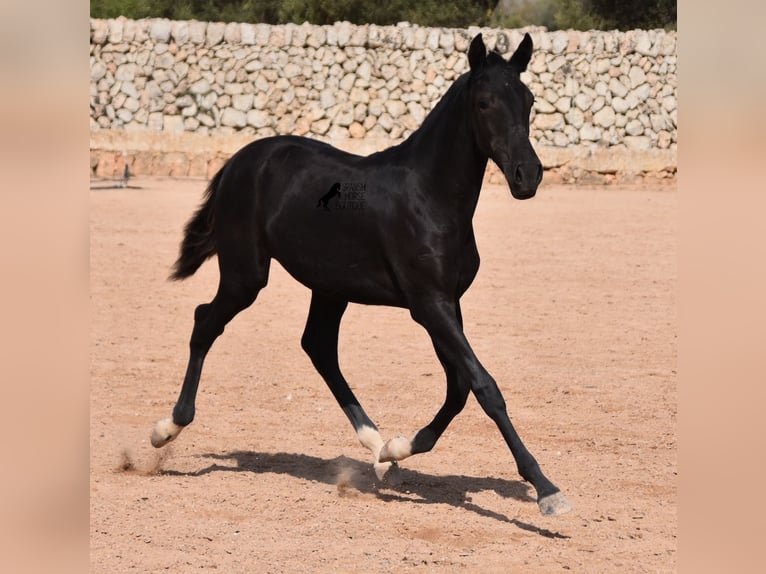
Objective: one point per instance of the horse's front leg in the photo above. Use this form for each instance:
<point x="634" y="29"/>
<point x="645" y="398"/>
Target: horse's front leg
<point x="464" y="371"/>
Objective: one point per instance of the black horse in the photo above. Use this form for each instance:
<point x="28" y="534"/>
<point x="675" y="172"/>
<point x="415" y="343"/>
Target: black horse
<point x="412" y="245"/>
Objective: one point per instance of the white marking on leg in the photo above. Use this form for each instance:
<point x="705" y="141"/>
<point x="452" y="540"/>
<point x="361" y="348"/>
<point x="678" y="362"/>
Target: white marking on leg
<point x="370" y="438"/>
<point x="398" y="448"/>
<point x="164" y="431"/>
<point x="385" y="471"/>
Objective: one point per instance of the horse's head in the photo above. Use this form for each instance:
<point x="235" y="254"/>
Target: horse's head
<point x="501" y="105"/>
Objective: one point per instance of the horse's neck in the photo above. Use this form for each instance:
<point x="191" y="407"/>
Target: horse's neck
<point x="444" y="148"/>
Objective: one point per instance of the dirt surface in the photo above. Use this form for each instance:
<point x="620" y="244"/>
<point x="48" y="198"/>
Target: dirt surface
<point x="573" y="312"/>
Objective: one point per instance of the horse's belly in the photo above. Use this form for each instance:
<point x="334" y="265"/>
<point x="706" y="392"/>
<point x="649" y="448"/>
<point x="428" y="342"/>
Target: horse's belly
<point x="354" y="281"/>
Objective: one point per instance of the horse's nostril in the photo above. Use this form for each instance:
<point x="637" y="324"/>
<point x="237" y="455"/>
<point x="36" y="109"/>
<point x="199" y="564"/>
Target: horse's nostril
<point x="539" y="172"/>
<point x="518" y="176"/>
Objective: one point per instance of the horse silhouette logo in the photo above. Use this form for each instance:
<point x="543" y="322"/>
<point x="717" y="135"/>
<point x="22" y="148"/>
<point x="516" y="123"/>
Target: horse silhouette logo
<point x="325" y="199"/>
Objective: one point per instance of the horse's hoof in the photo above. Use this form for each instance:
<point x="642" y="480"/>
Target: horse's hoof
<point x="164" y="431"/>
<point x="554" y="504"/>
<point x="397" y="448"/>
<point x="388" y="473"/>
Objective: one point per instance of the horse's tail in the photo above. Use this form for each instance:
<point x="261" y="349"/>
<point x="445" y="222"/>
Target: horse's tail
<point x="198" y="244"/>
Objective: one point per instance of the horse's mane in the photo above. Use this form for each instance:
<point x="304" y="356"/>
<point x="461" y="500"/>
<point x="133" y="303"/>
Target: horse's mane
<point x="455" y="91"/>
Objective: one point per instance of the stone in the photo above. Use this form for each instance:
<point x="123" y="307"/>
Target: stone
<point x="659" y="122"/>
<point x="447" y="41"/>
<point x="543" y="106"/>
<point x="559" y="42"/>
<point x="97" y="71"/>
<point x="583" y="101"/>
<point x="617" y="88"/>
<point x="129" y="89"/>
<point x="164" y="61"/>
<point x="327" y="98"/>
<point x="347" y="82"/>
<point x="575" y="117"/>
<point x="589" y="132"/>
<point x="395" y="108"/>
<point x="258" y="118"/>
<point x="598" y="104"/>
<point x="179" y="32"/>
<point x="638" y="142"/>
<point x="641" y="93"/>
<point x="247" y="34"/>
<point x="669" y="103"/>
<point x="552" y="121"/>
<point x="320" y="127"/>
<point x="200" y="87"/>
<point x="556" y="64"/>
<point x="634" y="128"/>
<point x="114" y="28"/>
<point x="214" y="33"/>
<point x="160" y="30"/>
<point x="364" y="71"/>
<point x="232" y="33"/>
<point x="637" y="77"/>
<point x="644" y="45"/>
<point x="563" y="104"/>
<point x="125" y="73"/>
<point x="620" y="105"/>
<point x="99" y="31"/>
<point x="359" y="35"/>
<point x="356" y="130"/>
<point x="197" y="32"/>
<point x="385" y="121"/>
<point x="416" y="111"/>
<point x="242" y="102"/>
<point x="604" y="117"/>
<point x="291" y="70"/>
<point x="345" y="115"/>
<point x="375" y="107"/>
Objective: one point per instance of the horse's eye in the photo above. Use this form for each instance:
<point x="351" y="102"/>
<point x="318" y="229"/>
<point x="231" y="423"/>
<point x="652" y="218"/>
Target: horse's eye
<point x="483" y="104"/>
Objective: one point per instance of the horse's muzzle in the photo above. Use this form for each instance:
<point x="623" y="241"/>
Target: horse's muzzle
<point x="523" y="178"/>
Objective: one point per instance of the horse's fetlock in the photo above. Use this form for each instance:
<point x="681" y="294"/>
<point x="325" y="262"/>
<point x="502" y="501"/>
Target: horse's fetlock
<point x="183" y="416"/>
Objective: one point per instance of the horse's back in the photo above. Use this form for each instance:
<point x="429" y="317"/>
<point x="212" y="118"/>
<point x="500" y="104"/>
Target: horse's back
<point x="317" y="209"/>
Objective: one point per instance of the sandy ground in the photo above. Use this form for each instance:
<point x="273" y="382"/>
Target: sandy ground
<point x="573" y="312"/>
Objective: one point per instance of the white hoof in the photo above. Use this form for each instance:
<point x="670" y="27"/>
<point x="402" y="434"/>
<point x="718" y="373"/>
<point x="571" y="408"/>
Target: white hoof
<point x="164" y="431"/>
<point x="554" y="504"/>
<point x="398" y="448"/>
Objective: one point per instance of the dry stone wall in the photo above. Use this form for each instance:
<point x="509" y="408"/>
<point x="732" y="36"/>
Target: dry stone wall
<point x="594" y="90"/>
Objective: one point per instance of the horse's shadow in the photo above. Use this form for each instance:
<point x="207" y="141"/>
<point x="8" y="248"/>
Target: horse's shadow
<point x="347" y="474"/>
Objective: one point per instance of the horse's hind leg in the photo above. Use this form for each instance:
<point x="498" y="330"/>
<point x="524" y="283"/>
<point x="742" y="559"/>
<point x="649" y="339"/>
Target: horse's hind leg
<point x="320" y="341"/>
<point x="239" y="285"/>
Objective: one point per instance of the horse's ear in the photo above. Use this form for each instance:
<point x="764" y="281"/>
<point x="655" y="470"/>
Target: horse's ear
<point x="477" y="53"/>
<point x="522" y="55"/>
